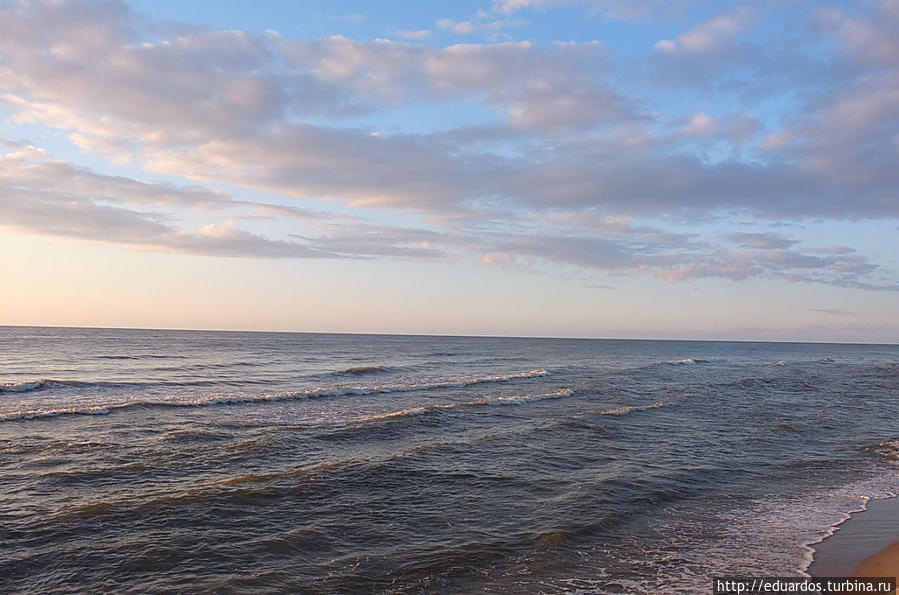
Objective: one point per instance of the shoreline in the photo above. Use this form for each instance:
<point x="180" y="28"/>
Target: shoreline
<point x="865" y="544"/>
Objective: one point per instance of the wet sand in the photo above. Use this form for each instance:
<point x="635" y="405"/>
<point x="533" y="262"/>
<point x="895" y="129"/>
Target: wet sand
<point x="865" y="545"/>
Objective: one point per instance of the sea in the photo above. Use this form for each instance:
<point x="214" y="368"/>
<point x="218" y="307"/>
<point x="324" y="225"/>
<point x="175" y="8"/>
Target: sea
<point x="135" y="461"/>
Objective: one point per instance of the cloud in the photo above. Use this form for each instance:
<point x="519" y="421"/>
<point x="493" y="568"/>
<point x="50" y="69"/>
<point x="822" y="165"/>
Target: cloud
<point x="482" y="22"/>
<point x="413" y="35"/>
<point x="201" y="83"/>
<point x="366" y="240"/>
<point x="735" y="128"/>
<point x="764" y="241"/>
<point x="834" y="250"/>
<point x="790" y="265"/>
<point x="40" y="194"/>
<point x="832" y="311"/>
<point x="560" y="162"/>
<point x="586" y="239"/>
<point x="459" y="27"/>
<point x="615" y="9"/>
<point x="870" y="39"/>
<point x="226" y="106"/>
<point x="711" y="35"/>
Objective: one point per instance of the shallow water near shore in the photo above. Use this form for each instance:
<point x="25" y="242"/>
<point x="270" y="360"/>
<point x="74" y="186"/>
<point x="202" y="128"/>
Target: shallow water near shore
<point x="137" y="460"/>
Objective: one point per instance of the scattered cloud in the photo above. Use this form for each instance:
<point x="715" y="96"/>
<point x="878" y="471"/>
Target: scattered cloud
<point x="711" y="35"/>
<point x="481" y="23"/>
<point x="413" y="35"/>
<point x="615" y="9"/>
<point x="736" y="128"/>
<point x="563" y="162"/>
<point x="458" y="27"/>
<point x="40" y="194"/>
<point x="765" y="241"/>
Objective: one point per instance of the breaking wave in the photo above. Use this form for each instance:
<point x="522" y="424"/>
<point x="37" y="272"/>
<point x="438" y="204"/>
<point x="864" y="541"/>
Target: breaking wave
<point x="22" y="387"/>
<point x="888" y="450"/>
<point x="336" y="390"/>
<point x="631" y="408"/>
<point x="680" y="362"/>
<point x="509" y="400"/>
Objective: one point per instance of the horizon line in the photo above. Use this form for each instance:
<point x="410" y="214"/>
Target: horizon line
<point x="460" y="336"/>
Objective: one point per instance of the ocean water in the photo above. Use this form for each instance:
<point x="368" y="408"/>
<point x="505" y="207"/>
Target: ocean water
<point x="183" y="461"/>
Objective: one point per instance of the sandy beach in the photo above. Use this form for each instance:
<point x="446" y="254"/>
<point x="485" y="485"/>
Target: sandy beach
<point x="884" y="563"/>
<point x="867" y="544"/>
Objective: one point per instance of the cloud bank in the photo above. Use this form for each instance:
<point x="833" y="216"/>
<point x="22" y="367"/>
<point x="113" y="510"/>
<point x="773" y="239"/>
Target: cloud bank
<point x="569" y="154"/>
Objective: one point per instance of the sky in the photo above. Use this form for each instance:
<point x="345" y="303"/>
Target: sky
<point x="580" y="168"/>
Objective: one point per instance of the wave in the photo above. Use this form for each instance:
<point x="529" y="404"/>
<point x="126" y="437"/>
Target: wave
<point x="336" y="390"/>
<point x="510" y="400"/>
<point x="750" y="381"/>
<point x="141" y="356"/>
<point x="631" y="408"/>
<point x="888" y="450"/>
<point x="680" y="362"/>
<point x="210" y="366"/>
<point x="98" y="410"/>
<point x="22" y="387"/>
<point x="265" y="477"/>
<point x="49" y="383"/>
<point x="361" y="371"/>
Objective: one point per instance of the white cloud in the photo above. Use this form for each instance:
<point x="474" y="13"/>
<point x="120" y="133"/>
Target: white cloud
<point x="736" y="128"/>
<point x="40" y="194"/>
<point x="413" y="35"/>
<point x="711" y="35"/>
<point x="764" y="241"/>
<point x="458" y="27"/>
<point x="483" y="23"/>
<point x="872" y="38"/>
<point x="615" y="9"/>
<point x="270" y="113"/>
<point x="665" y="45"/>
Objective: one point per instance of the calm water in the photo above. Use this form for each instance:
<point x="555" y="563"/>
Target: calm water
<point x="196" y="461"/>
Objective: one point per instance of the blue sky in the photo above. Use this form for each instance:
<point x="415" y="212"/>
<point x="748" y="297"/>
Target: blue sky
<point x="519" y="167"/>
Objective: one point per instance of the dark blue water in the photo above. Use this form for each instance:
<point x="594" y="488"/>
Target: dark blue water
<point x="135" y="461"/>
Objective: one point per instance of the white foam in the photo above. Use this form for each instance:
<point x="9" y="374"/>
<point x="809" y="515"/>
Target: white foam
<point x="689" y="361"/>
<point x="337" y="390"/>
<point x="21" y="415"/>
<point x="769" y="536"/>
<point x="21" y="387"/>
<point x="631" y="408"/>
